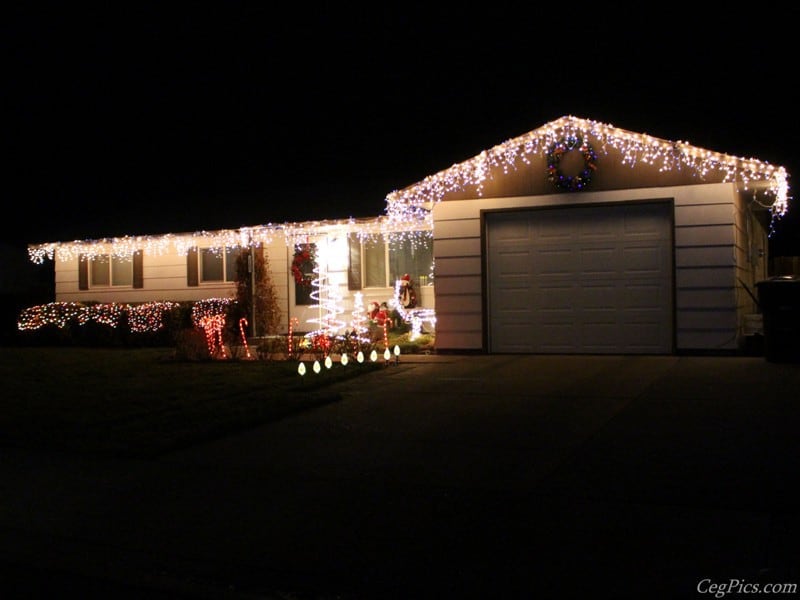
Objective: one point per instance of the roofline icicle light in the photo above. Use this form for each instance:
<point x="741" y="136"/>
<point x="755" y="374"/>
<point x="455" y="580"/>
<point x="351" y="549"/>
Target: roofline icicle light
<point x="408" y="211"/>
<point x="413" y="203"/>
<point x="292" y="234"/>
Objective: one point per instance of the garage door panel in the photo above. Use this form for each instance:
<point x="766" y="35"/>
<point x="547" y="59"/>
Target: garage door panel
<point x="639" y="224"/>
<point x="555" y="336"/>
<point x="550" y="228"/>
<point x="509" y="228"/>
<point x="514" y="299"/>
<point x="647" y="297"/>
<point x="642" y="337"/>
<point x="598" y="262"/>
<point x="517" y="339"/>
<point x="559" y="261"/>
<point x="598" y="297"/>
<point x="558" y="297"/>
<point x="512" y="263"/>
<point x="643" y="260"/>
<point x="597" y="228"/>
<point x="598" y="280"/>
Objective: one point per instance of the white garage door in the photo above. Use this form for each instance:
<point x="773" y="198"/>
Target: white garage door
<point x="588" y="280"/>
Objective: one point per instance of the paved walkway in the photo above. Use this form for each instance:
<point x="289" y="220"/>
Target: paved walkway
<point x="448" y="476"/>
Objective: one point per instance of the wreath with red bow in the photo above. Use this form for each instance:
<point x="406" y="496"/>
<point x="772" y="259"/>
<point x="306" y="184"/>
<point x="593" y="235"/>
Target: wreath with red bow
<point x="303" y="264"/>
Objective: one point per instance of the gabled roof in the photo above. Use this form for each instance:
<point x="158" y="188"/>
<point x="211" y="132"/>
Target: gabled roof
<point x="415" y="201"/>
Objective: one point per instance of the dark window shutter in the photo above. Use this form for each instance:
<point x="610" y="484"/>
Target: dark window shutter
<point x="354" y="268"/>
<point x="83" y="272"/>
<point x="138" y="269"/>
<point x="191" y="267"/>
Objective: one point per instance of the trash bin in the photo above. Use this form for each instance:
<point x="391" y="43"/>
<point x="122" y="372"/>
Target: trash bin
<point x="779" y="299"/>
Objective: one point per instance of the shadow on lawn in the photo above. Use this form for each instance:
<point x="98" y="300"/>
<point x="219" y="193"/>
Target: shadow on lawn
<point x="140" y="403"/>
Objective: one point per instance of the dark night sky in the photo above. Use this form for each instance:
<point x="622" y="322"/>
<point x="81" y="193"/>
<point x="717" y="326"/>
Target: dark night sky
<point x="129" y="120"/>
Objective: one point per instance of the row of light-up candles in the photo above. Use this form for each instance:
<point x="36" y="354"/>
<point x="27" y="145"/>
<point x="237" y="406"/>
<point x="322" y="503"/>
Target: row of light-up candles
<point x="328" y="362"/>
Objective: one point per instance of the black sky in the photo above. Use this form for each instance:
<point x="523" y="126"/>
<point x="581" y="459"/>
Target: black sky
<point x="143" y="120"/>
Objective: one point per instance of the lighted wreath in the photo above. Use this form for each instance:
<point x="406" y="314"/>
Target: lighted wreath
<point x="303" y="264"/>
<point x="561" y="147"/>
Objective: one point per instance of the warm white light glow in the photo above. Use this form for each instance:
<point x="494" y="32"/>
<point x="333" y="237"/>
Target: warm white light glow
<point x="290" y="233"/>
<point x="301" y="368"/>
<point x="317" y="367"/>
<point x="415" y="316"/>
<point x="414" y="202"/>
<point x="409" y="211"/>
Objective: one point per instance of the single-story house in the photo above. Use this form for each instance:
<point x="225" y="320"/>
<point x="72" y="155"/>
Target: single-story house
<point x="577" y="237"/>
<point x="319" y="269"/>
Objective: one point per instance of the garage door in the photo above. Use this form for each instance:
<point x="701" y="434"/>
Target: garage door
<point x="587" y="280"/>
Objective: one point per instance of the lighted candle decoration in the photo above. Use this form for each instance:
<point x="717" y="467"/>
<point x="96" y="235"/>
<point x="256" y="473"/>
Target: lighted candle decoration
<point x="344" y="360"/>
<point x="373" y="356"/>
<point x="396" y="354"/>
<point x="360" y="356"/>
<point x="317" y="367"/>
<point x="328" y="362"/>
<point x="301" y="369"/>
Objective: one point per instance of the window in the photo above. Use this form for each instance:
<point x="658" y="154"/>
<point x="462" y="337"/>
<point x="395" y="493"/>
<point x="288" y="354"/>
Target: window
<point x="374" y="263"/>
<point x="218" y="264"/>
<point x="412" y="256"/>
<point x="378" y="263"/>
<point x="110" y="270"/>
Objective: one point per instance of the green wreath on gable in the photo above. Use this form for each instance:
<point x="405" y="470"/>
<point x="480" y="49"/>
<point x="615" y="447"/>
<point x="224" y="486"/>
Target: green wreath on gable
<point x="556" y="152"/>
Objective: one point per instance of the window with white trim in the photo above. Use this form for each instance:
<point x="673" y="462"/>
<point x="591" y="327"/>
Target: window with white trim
<point x="109" y="270"/>
<point x="378" y="262"/>
<point x="218" y="264"/>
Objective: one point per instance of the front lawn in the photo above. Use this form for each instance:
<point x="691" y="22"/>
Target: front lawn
<point x="141" y="402"/>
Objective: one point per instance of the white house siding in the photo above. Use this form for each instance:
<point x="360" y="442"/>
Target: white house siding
<point x="704" y="262"/>
<point x="165" y="279"/>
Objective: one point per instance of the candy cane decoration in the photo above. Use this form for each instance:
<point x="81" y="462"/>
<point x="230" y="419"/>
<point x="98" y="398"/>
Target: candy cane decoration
<point x="242" y="325"/>
<point x="292" y="321"/>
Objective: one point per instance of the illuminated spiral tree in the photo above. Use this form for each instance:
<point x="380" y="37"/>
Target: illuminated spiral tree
<point x="326" y="299"/>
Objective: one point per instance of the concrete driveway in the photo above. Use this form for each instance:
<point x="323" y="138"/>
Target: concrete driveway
<point x="445" y="475"/>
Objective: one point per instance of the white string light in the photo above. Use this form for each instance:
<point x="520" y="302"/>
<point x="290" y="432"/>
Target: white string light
<point x="413" y="203"/>
<point x="408" y="211"/>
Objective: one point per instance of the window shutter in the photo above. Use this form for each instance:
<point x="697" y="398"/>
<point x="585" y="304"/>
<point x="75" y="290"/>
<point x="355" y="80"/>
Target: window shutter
<point x="83" y="272"/>
<point x="191" y="267"/>
<point x="354" y="268"/>
<point x="138" y="269"/>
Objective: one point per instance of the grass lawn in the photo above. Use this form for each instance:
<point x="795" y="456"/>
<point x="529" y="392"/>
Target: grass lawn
<point x="141" y="402"/>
